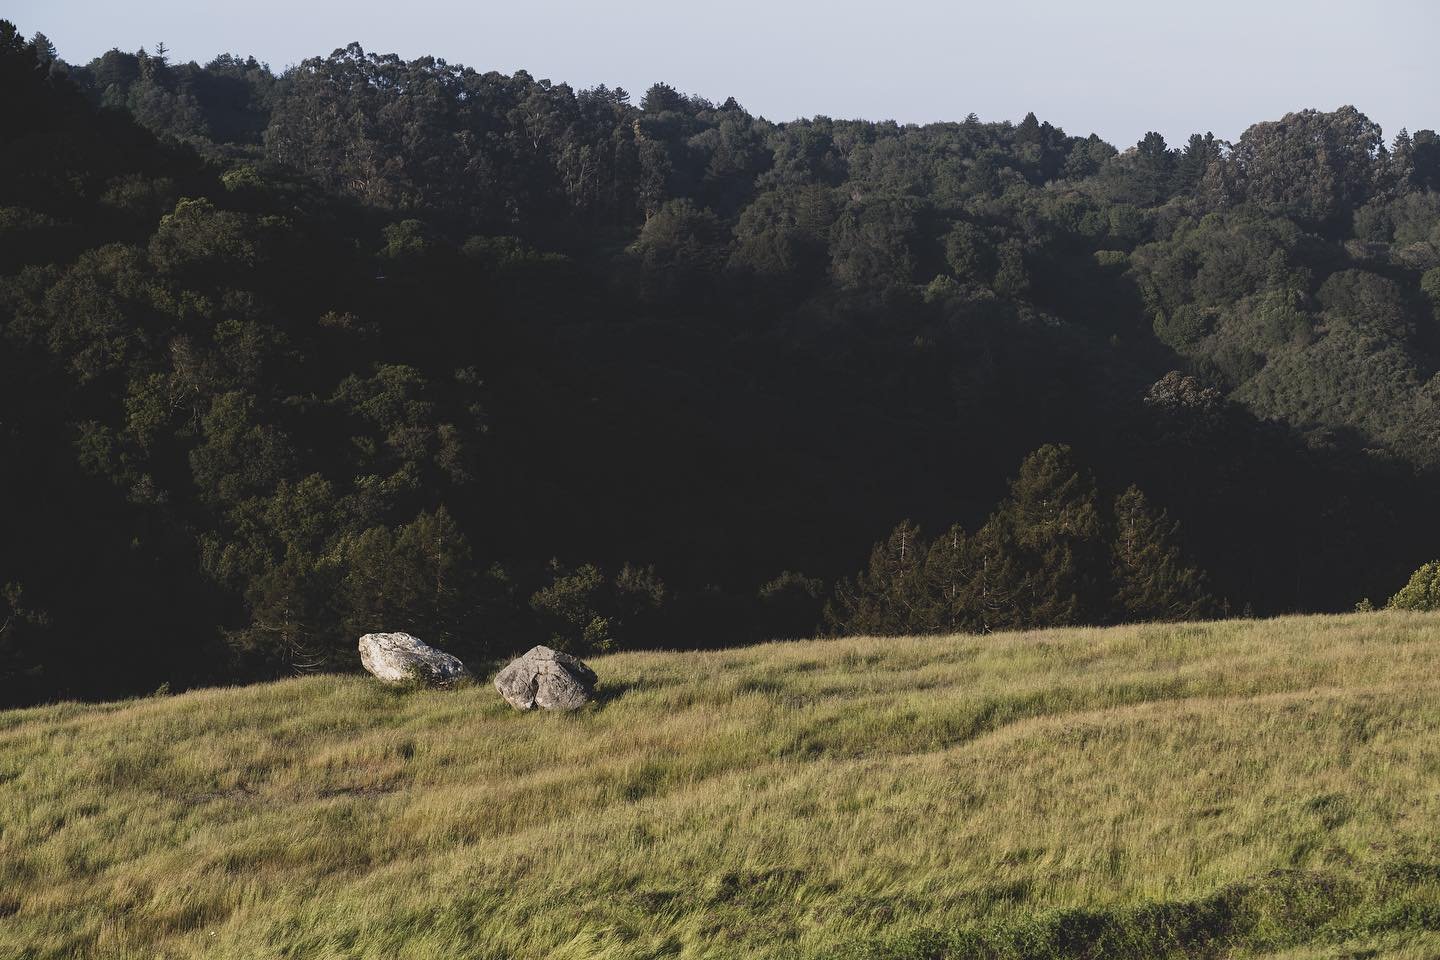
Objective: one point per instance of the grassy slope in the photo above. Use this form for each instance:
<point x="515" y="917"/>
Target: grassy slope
<point x="1240" y="788"/>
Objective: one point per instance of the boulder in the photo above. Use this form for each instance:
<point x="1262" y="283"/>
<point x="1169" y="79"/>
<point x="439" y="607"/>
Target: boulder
<point x="401" y="658"/>
<point x="547" y="679"/>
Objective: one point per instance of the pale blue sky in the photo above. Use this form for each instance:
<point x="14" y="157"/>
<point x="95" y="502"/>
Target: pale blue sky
<point x="1115" y="67"/>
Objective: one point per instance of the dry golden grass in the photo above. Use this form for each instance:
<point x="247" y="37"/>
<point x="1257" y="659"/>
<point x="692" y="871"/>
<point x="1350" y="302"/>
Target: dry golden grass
<point x="1244" y="788"/>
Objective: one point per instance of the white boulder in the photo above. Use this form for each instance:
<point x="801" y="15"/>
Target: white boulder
<point x="400" y="658"/>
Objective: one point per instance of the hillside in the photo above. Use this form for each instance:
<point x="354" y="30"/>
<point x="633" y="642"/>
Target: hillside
<point x="1242" y="788"/>
<point x="501" y="361"/>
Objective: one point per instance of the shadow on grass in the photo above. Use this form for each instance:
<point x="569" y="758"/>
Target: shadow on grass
<point x="609" y="691"/>
<point x="1283" y="909"/>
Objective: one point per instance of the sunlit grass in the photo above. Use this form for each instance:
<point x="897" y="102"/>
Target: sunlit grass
<point x="1265" y="788"/>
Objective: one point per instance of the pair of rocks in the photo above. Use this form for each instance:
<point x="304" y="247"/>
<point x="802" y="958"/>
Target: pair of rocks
<point x="542" y="677"/>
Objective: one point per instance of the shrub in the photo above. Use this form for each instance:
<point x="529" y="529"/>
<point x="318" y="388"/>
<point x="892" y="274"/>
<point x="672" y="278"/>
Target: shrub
<point x="790" y="606"/>
<point x="1422" y="592"/>
<point x="585" y="611"/>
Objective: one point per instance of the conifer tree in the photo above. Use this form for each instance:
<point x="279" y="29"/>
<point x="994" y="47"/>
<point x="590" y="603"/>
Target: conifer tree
<point x="1198" y="154"/>
<point x="1053" y="520"/>
<point x="888" y="597"/>
<point x="1151" y="579"/>
<point x="414" y="578"/>
<point x="949" y="573"/>
<point x="974" y="584"/>
<point x="290" y="608"/>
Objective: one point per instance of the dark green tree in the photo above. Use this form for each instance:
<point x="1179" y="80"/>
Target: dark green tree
<point x="969" y="254"/>
<point x="682" y="249"/>
<point x="955" y="584"/>
<point x="791" y="605"/>
<point x="1421" y="592"/>
<point x="1196" y="157"/>
<point x="662" y="97"/>
<point x="418" y="578"/>
<point x="240" y="456"/>
<point x="1315" y="167"/>
<point x="1053" y="520"/>
<point x="1011" y="277"/>
<point x="584" y="611"/>
<point x="888" y="598"/>
<point x="1151" y="579"/>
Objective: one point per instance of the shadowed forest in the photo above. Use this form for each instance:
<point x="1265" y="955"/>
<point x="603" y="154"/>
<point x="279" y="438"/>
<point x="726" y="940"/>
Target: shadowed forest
<point x="373" y="344"/>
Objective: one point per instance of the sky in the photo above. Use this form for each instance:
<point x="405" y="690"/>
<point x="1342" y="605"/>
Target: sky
<point x="1118" y="68"/>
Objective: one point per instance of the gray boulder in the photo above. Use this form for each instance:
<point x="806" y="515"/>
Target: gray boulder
<point x="547" y="679"/>
<point x="400" y="658"/>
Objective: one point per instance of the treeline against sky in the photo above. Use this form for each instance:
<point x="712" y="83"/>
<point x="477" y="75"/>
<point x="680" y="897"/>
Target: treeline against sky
<point x="375" y="344"/>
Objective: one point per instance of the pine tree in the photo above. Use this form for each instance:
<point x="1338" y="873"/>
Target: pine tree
<point x="1198" y="154"/>
<point x="413" y="578"/>
<point x="949" y="572"/>
<point x="44" y="50"/>
<point x="1050" y="533"/>
<point x="290" y="610"/>
<point x="1151" y="579"/>
<point x="973" y="583"/>
<point x="888" y="598"/>
<point x="1029" y="130"/>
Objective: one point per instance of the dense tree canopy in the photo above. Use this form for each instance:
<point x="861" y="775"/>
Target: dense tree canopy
<point x="1040" y="560"/>
<point x="388" y="344"/>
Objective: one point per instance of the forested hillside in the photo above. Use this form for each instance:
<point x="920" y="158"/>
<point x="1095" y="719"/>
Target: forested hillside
<point x="376" y="344"/>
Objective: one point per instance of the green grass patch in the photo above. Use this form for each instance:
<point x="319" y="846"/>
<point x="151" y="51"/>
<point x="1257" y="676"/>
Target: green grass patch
<point x="1244" y="788"/>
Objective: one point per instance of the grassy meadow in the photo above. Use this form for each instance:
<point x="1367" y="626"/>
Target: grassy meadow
<point x="1243" y="788"/>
